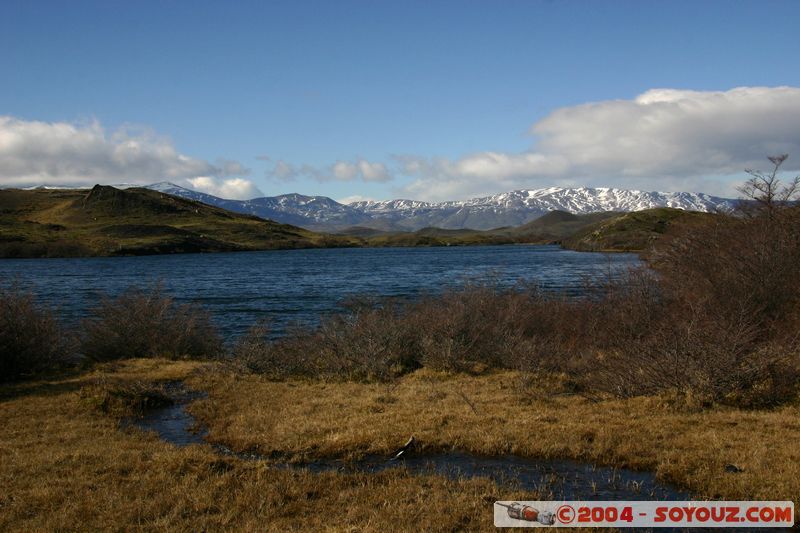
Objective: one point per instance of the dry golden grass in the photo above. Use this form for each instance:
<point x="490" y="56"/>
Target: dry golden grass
<point x="67" y="466"/>
<point x="302" y="420"/>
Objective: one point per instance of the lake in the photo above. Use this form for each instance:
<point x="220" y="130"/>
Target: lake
<point x="301" y="285"/>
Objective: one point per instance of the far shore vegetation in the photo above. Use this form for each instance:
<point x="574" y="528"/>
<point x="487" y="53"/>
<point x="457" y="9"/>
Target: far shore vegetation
<point x="689" y="367"/>
<point x="106" y="221"/>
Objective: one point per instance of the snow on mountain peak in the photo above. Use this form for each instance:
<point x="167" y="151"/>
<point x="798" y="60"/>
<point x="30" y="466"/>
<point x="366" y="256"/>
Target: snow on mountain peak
<point x="505" y="209"/>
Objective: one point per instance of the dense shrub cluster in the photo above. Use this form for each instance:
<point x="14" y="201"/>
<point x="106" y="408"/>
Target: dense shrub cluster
<point x="138" y="323"/>
<point x="142" y="323"/>
<point x="726" y="327"/>
<point x="465" y="330"/>
<point x="31" y="340"/>
<point x="367" y="342"/>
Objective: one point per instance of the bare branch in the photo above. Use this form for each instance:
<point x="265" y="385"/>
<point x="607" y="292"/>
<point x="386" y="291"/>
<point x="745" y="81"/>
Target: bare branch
<point x="767" y="190"/>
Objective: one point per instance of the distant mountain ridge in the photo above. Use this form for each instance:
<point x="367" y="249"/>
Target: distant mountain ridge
<point x="507" y="209"/>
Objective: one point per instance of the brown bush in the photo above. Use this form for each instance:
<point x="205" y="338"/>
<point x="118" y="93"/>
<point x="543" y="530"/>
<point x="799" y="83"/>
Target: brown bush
<point x="31" y="340"/>
<point x="739" y="267"/>
<point x="481" y="326"/>
<point x="466" y="330"/>
<point x="257" y="352"/>
<point x="369" y="341"/>
<point x="252" y="351"/>
<point x="721" y="320"/>
<point x="142" y="323"/>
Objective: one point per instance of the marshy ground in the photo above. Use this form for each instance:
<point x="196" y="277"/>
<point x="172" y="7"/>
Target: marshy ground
<point x="67" y="461"/>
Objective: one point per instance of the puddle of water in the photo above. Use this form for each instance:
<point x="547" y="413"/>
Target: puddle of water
<point x="173" y="424"/>
<point x="556" y="479"/>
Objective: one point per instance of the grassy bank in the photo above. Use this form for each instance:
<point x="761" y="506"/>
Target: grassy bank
<point x="505" y="413"/>
<point x="65" y="463"/>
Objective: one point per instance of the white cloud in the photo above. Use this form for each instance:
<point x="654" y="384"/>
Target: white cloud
<point x="283" y="171"/>
<point x="344" y="171"/>
<point x="60" y="153"/>
<point x="229" y="188"/>
<point x="376" y="172"/>
<point x="358" y="170"/>
<point x="361" y="169"/>
<point x="663" y="139"/>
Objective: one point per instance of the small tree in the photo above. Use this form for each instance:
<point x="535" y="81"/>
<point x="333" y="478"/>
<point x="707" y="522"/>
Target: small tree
<point x="767" y="190"/>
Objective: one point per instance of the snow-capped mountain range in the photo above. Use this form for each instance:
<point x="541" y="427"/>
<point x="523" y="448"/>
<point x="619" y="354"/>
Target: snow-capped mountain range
<point x="507" y="209"/>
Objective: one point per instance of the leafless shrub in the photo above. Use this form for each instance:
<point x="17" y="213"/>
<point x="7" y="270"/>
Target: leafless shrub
<point x="253" y="351"/>
<point x="630" y="336"/>
<point x="721" y="323"/>
<point x="680" y="355"/>
<point x="31" y="340"/>
<point x="713" y="361"/>
<point x="466" y="330"/>
<point x="739" y="267"/>
<point x="372" y="340"/>
<point x="257" y="352"/>
<point x="772" y="375"/>
<point x="141" y="323"/>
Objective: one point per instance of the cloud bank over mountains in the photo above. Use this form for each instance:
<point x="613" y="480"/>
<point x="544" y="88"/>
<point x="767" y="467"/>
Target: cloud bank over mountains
<point x="64" y="154"/>
<point x="664" y="139"/>
<point x="231" y="188"/>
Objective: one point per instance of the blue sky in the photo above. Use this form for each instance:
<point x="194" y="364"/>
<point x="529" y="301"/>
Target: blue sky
<point x="428" y="99"/>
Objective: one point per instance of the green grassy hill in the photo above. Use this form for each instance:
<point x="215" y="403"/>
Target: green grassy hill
<point x="106" y="221"/>
<point x="550" y="228"/>
<point x="606" y="231"/>
<point x="553" y="227"/>
<point x="632" y="232"/>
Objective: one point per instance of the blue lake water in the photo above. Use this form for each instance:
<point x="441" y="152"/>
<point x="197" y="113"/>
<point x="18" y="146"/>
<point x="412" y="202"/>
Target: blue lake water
<point x="301" y="285"/>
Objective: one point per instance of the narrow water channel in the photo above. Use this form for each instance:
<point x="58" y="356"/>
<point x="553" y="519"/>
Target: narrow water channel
<point x="553" y="479"/>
